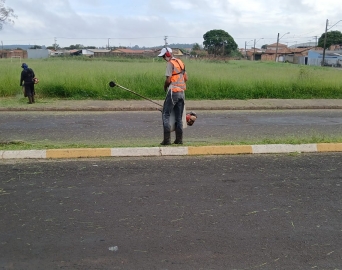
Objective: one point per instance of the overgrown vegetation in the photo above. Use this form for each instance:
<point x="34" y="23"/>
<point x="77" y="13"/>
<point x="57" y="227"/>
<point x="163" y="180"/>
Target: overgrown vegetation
<point x="84" y="78"/>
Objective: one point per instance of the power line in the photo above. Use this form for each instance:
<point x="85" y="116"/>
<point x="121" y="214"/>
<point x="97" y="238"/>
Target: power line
<point x="107" y="37"/>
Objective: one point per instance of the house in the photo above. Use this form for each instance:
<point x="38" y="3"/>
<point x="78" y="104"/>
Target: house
<point x="274" y="51"/>
<point x="257" y="54"/>
<point x="57" y="52"/>
<point x="37" y="53"/>
<point x="331" y="58"/>
<point x="75" y="52"/>
<point x="305" y="54"/>
<point x="175" y="52"/>
<point x="126" y="52"/>
<point x="252" y="53"/>
<point x="295" y="55"/>
<point x="13" y="54"/>
<point x="298" y="55"/>
<point x="304" y="45"/>
<point x="96" y="52"/>
<point x="336" y="47"/>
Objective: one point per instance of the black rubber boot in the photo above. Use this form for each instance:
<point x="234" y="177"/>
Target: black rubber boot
<point x="167" y="139"/>
<point x="30" y="100"/>
<point x="179" y="138"/>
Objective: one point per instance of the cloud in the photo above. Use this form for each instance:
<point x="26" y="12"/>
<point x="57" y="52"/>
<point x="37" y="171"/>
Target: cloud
<point x="146" y="23"/>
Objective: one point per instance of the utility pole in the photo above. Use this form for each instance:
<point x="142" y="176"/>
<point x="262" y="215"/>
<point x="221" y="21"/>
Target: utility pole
<point x="246" y="42"/>
<point x="254" y="51"/>
<point x="165" y="39"/>
<point x="278" y="45"/>
<point x="315" y="41"/>
<point x="325" y="41"/>
<point x="108" y="43"/>
<point x="55" y="44"/>
<point x="246" y="49"/>
<point x="325" y="38"/>
<point x="277" y="48"/>
<point x="2" y="49"/>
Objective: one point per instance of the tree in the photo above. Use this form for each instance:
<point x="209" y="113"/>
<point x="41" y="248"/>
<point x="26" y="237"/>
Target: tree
<point x="36" y="47"/>
<point x="75" y="47"/>
<point x="196" y="47"/>
<point x="264" y="46"/>
<point x="333" y="37"/>
<point x="55" y="46"/>
<point x="219" y="42"/>
<point x="5" y="14"/>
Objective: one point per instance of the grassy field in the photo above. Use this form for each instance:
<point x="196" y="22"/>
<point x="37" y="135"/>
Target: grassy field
<point x="79" y="78"/>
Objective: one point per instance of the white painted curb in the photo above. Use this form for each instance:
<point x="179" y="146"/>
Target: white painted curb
<point x="170" y="151"/>
<point x="135" y="152"/>
<point x="22" y="154"/>
<point x="283" y="148"/>
<point x="174" y="151"/>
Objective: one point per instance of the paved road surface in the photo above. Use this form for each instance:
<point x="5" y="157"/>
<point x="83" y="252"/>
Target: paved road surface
<point x="130" y="128"/>
<point x="218" y="212"/>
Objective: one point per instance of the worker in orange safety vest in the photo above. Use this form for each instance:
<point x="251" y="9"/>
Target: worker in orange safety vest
<point x="174" y="86"/>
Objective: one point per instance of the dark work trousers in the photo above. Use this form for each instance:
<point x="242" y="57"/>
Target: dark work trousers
<point x="29" y="89"/>
<point x="173" y="101"/>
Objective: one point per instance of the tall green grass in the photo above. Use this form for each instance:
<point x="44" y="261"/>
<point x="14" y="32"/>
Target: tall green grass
<point x="79" y="78"/>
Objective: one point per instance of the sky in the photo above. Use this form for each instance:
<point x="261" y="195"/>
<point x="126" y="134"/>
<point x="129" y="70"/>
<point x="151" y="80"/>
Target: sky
<point x="150" y="23"/>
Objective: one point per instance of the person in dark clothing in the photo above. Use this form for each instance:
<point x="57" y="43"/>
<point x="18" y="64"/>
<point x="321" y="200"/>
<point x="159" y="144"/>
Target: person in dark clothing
<point x="27" y="80"/>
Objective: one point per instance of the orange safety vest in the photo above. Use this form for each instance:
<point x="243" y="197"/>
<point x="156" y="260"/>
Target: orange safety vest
<point x="177" y="77"/>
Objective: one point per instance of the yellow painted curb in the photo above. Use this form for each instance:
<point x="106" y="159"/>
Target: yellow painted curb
<point x="329" y="147"/>
<point x="78" y="153"/>
<point x="220" y="150"/>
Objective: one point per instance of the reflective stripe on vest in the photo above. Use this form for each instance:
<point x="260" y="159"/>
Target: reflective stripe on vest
<point x="177" y="77"/>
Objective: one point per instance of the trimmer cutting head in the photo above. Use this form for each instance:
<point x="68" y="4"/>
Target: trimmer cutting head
<point x="191" y="118"/>
<point x="112" y="84"/>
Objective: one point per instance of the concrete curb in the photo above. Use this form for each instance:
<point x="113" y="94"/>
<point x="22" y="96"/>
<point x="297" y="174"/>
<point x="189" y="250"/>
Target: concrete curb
<point x="190" y="108"/>
<point x="170" y="151"/>
<point x="143" y="105"/>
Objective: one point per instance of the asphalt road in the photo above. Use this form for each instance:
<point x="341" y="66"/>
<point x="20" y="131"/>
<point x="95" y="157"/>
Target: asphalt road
<point x="129" y="128"/>
<point x="210" y="212"/>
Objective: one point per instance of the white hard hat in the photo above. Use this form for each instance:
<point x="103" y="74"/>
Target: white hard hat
<point x="164" y="51"/>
